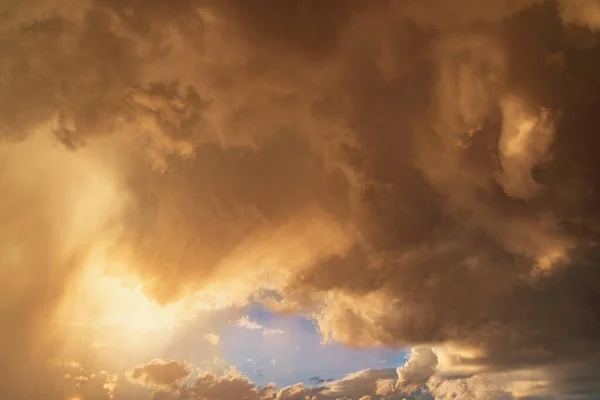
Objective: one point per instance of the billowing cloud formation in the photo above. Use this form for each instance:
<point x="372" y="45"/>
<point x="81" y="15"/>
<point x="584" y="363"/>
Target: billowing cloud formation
<point x="417" y="370"/>
<point x="431" y="182"/>
<point x="369" y="384"/>
<point x="208" y="385"/>
<point x="231" y="385"/>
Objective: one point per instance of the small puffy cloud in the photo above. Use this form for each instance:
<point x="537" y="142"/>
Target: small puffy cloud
<point x="159" y="373"/>
<point x="83" y="382"/>
<point x="212" y="338"/>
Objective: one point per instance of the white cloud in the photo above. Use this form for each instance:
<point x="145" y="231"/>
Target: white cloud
<point x="212" y="338"/>
<point x="246" y="322"/>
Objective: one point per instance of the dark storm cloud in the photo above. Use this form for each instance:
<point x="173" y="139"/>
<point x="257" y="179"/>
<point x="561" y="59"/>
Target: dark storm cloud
<point x="433" y="163"/>
<point x="448" y="240"/>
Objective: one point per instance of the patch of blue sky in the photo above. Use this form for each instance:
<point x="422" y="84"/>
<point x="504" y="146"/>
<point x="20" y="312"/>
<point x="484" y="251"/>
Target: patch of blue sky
<point x="288" y="349"/>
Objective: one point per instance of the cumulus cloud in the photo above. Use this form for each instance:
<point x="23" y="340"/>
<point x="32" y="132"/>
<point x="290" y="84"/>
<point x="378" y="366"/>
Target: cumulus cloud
<point x="471" y="388"/>
<point x="159" y="373"/>
<point x="231" y="385"/>
<point x="432" y="181"/>
<point x="418" y="369"/>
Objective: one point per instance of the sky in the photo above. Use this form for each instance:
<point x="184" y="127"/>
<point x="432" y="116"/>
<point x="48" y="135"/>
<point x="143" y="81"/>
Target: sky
<point x="299" y="200"/>
<point x="289" y="350"/>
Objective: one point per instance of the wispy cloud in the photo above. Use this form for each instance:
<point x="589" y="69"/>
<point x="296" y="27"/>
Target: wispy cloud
<point x="247" y="323"/>
<point x="269" y="332"/>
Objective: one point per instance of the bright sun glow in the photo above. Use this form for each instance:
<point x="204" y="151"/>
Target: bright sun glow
<point x="117" y="308"/>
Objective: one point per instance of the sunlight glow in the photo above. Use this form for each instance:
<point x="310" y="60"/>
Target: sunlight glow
<point x="117" y="309"/>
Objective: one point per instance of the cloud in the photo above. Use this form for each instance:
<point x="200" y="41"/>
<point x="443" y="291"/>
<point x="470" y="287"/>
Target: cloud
<point x="418" y="369"/>
<point x="361" y="383"/>
<point x="431" y="182"/>
<point x="231" y="385"/>
<point x="245" y="322"/>
<point x="433" y="374"/>
<point x="580" y="12"/>
<point x="442" y="15"/>
<point x="212" y="338"/>
<point x="48" y="231"/>
<point x="524" y="142"/>
<point x="79" y="381"/>
<point x="294" y="392"/>
<point x="159" y="373"/>
<point x="270" y="332"/>
<point x="319" y="380"/>
<point x="422" y="377"/>
<point x="110" y="385"/>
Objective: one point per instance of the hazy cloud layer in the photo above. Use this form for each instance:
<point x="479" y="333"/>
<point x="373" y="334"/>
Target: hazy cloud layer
<point x="405" y="172"/>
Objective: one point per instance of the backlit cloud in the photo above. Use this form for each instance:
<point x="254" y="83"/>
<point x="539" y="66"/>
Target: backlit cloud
<point x="159" y="373"/>
<point x="408" y="174"/>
